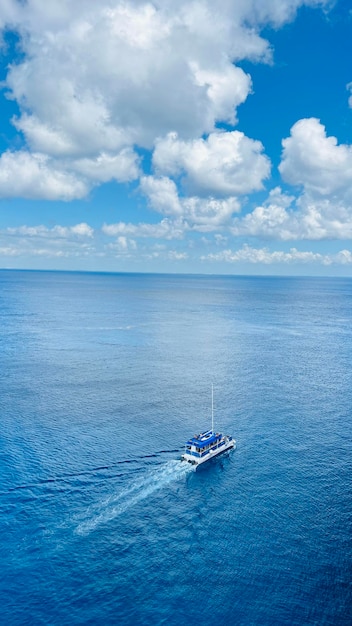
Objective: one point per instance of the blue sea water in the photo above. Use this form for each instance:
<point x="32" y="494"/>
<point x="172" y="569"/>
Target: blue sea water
<point x="103" y="379"/>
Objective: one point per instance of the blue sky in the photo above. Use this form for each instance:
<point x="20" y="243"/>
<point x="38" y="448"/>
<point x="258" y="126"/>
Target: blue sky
<point x="177" y="137"/>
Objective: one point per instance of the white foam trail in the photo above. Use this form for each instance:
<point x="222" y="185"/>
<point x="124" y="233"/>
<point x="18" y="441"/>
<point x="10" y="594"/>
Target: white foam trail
<point x="142" y="488"/>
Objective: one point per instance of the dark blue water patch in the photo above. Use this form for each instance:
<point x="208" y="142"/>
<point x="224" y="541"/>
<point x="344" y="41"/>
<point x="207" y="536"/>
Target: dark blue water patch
<point x="104" y="379"/>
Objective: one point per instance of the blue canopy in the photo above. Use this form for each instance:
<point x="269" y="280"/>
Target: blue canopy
<point x="203" y="440"/>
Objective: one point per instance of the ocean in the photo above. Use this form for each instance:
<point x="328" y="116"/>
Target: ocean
<point x="104" y="378"/>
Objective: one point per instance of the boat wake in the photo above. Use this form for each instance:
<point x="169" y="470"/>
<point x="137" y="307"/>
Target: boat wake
<point x="92" y="471"/>
<point x="118" y="503"/>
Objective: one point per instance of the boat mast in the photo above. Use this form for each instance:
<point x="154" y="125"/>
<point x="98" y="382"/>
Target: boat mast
<point x="212" y="408"/>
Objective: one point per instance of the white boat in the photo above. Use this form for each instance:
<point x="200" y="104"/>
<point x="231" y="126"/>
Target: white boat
<point x="207" y="445"/>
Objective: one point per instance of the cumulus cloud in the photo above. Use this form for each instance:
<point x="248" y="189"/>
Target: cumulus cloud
<point x="270" y="220"/>
<point x="96" y="81"/>
<point x="97" y="78"/>
<point x="315" y="161"/>
<point x="122" y="167"/>
<point x="199" y="213"/>
<point x="209" y="213"/>
<point x="123" y="246"/>
<point x="323" y="210"/>
<point x="265" y="256"/>
<point x="285" y="217"/>
<point x="226" y="90"/>
<point x="175" y="255"/>
<point x="162" y="194"/>
<point x="323" y="169"/>
<point x="224" y="164"/>
<point x="80" y="230"/>
<point x="24" y="250"/>
<point x="166" y="229"/>
<point x="38" y="176"/>
<point x="35" y="176"/>
<point x="117" y="73"/>
<point x="349" y="88"/>
<point x="41" y="241"/>
<point x="277" y="12"/>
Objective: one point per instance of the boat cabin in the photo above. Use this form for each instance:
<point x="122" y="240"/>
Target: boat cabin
<point x="199" y="445"/>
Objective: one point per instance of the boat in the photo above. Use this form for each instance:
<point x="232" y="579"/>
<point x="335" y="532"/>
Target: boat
<point x="207" y="445"/>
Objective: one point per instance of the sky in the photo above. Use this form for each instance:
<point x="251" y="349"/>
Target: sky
<point x="184" y="137"/>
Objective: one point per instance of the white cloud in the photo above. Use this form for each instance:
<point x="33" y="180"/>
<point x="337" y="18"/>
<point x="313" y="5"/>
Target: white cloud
<point x="174" y="255"/>
<point x="80" y="230"/>
<point x="40" y="241"/>
<point x="224" y="164"/>
<point x="162" y="194"/>
<point x="323" y="210"/>
<point x="315" y="161"/>
<point x="23" y="251"/>
<point x="97" y="76"/>
<point x="10" y="251"/>
<point x="286" y="218"/>
<point x="226" y="90"/>
<point x="264" y="256"/>
<point x="166" y="229"/>
<point x="207" y="214"/>
<point x="35" y="176"/>
<point x="344" y="257"/>
<point x="97" y="80"/>
<point x="199" y="213"/>
<point x="117" y="73"/>
<point x="122" y="167"/>
<point x="271" y="220"/>
<point x="38" y="176"/>
<point x="277" y="12"/>
<point x="323" y="169"/>
<point x="349" y="88"/>
<point x="123" y="245"/>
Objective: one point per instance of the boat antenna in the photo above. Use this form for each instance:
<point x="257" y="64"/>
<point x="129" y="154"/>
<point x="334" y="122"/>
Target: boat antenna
<point x="212" y="408"/>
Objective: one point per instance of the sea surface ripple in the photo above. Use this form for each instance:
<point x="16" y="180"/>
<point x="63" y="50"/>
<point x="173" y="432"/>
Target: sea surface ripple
<point x="104" y="377"/>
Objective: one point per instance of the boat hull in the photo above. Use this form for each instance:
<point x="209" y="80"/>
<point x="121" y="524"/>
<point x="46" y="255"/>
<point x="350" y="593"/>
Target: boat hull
<point x="211" y="454"/>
